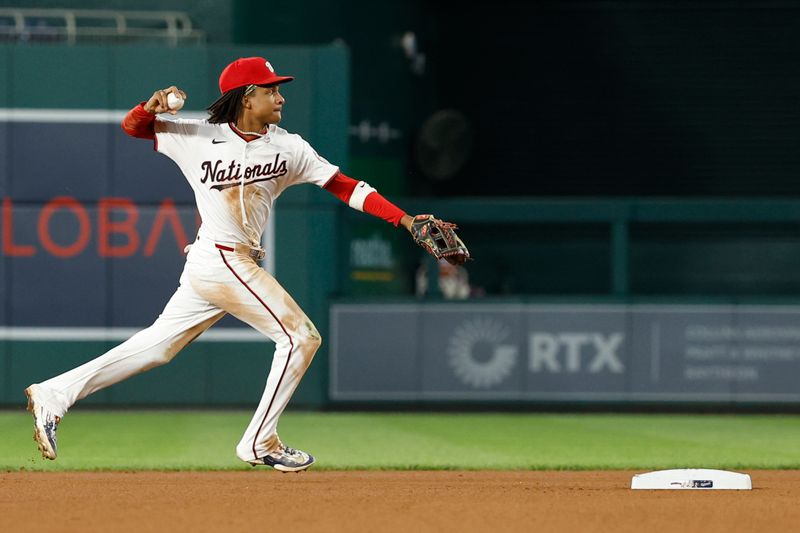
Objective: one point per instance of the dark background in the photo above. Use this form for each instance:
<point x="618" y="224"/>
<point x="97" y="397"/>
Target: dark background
<point x="562" y="98"/>
<point x="627" y="98"/>
<point x="584" y="98"/>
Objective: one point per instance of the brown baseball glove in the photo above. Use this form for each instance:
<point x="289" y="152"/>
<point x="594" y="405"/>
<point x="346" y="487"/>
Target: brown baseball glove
<point x="439" y="239"/>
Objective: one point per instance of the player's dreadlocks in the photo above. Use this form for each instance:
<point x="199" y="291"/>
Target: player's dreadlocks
<point x="227" y="107"/>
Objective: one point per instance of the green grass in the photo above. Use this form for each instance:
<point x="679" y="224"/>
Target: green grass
<point x="170" y="440"/>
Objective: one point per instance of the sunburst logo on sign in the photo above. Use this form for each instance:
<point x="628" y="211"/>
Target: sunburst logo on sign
<point x="478" y="355"/>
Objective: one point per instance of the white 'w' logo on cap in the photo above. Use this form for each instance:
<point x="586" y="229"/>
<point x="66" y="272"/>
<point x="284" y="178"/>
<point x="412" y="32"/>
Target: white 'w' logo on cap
<point x="269" y="66"/>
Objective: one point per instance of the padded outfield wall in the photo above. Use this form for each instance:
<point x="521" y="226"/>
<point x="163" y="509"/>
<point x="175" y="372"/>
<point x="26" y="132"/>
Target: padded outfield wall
<point x="93" y="222"/>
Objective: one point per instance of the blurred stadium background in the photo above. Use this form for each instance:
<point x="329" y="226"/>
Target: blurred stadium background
<point x="625" y="174"/>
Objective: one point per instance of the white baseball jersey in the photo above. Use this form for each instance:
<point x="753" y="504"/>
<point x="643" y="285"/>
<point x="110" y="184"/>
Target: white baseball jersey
<point x="236" y="182"/>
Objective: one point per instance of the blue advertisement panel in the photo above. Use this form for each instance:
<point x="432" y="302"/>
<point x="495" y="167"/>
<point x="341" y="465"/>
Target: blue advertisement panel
<point x="5" y="287"/>
<point x="5" y="163"/>
<point x="148" y="260"/>
<point x="672" y="359"/>
<point x="92" y="232"/>
<point x="482" y="353"/>
<point x="619" y="353"/>
<point x="55" y="275"/>
<point x="766" y="352"/>
<point x="49" y="160"/>
<point x="398" y="353"/>
<point x="583" y="350"/>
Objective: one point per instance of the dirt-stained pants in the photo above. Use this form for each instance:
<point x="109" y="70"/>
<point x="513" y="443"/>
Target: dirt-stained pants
<point x="215" y="281"/>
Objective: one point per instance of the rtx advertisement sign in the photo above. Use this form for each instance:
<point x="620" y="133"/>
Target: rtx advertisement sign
<point x="481" y="354"/>
<point x="479" y="351"/>
<point x="575" y="351"/>
<point x="565" y="352"/>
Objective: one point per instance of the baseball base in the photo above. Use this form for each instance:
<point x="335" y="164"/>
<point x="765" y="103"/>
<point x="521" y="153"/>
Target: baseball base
<point x="692" y="478"/>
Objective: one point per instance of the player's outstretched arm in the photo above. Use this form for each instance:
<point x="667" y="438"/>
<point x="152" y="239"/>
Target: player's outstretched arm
<point x="435" y="236"/>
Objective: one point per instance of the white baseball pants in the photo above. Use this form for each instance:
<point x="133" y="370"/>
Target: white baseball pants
<point x="215" y="281"/>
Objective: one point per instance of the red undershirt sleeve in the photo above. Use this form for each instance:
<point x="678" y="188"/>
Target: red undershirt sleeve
<point x="378" y="206"/>
<point x="342" y="187"/>
<point x="139" y="123"/>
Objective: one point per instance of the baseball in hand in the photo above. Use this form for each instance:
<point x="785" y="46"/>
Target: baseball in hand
<point x="174" y="101"/>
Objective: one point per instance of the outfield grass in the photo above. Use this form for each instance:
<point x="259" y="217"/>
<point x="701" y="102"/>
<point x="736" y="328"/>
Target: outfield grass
<point x="170" y="440"/>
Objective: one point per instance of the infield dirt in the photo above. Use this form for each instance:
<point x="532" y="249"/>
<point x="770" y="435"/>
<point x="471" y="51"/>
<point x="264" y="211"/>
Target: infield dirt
<point x="262" y="500"/>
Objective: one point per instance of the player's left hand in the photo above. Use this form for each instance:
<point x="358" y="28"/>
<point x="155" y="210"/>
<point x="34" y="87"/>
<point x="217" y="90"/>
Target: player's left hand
<point x="439" y="239"/>
<point x="158" y="102"/>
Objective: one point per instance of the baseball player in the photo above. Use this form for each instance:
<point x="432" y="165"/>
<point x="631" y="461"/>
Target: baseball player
<point x="238" y="161"/>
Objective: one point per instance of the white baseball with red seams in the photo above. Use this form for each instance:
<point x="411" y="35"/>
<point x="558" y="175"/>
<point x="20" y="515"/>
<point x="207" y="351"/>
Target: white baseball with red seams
<point x="174" y="102"/>
<point x="236" y="177"/>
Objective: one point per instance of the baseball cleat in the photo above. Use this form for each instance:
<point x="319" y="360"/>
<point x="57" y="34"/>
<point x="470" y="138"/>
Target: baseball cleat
<point x="45" y="423"/>
<point x="286" y="459"/>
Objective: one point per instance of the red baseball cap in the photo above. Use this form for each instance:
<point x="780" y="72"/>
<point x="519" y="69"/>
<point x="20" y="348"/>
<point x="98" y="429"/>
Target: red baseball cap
<point x="249" y="71"/>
